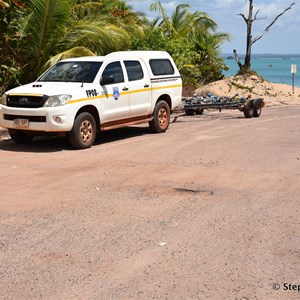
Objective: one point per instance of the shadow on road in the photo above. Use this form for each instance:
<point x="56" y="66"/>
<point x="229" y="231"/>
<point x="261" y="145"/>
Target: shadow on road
<point x="56" y="144"/>
<point x="211" y="116"/>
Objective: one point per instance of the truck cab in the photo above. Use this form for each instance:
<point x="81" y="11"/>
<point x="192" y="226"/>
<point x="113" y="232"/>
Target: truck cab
<point x="79" y="97"/>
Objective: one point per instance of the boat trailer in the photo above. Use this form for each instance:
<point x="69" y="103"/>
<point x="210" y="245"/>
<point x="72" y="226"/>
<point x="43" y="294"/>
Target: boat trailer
<point x="196" y="105"/>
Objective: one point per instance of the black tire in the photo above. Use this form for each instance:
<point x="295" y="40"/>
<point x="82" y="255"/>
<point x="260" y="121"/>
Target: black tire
<point x="257" y="107"/>
<point x="84" y="131"/>
<point x="248" y="109"/>
<point x="189" y="112"/>
<point x="161" y="117"/>
<point x="199" y="111"/>
<point x="20" y="137"/>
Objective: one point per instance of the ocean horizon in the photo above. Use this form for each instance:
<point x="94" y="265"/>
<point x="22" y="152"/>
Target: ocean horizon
<point x="275" y="68"/>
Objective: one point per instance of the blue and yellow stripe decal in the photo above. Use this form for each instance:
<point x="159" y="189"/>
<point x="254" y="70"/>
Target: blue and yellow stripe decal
<point x="105" y="96"/>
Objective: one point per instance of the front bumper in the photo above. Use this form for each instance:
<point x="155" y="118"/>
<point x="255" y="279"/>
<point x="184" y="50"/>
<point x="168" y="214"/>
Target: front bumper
<point x="45" y="119"/>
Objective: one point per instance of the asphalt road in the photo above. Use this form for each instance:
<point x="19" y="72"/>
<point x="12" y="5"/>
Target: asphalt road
<point x="208" y="210"/>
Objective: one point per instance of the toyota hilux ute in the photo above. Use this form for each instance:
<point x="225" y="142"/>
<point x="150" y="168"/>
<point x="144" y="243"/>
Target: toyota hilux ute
<point x="79" y="97"/>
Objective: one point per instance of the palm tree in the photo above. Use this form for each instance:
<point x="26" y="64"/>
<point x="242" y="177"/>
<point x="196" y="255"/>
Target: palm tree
<point x="198" y="31"/>
<point x="182" y="22"/>
<point x="57" y="29"/>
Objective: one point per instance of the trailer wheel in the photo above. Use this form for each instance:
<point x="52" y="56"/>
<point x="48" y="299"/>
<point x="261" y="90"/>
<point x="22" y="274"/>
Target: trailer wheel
<point x="83" y="133"/>
<point x="189" y="112"/>
<point x="161" y="117"/>
<point x="199" y="111"/>
<point x="248" y="109"/>
<point x="257" y="107"/>
<point x="19" y="136"/>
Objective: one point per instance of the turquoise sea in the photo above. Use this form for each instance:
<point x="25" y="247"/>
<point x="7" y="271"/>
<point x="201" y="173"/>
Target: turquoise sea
<point x="274" y="68"/>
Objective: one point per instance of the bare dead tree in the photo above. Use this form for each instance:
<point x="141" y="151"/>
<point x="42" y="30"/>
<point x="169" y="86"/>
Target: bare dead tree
<point x="246" y="67"/>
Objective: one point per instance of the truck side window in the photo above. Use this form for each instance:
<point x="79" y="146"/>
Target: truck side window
<point x="114" y="69"/>
<point x="161" y="67"/>
<point x="134" y="70"/>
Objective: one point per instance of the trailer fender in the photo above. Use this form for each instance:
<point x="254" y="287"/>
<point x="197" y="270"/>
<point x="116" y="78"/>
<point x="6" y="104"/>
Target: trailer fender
<point x="258" y="104"/>
<point x="248" y="109"/>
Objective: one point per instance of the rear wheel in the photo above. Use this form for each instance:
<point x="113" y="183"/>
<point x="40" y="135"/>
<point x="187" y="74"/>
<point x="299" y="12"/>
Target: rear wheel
<point x="199" y="111"/>
<point x="189" y="112"/>
<point x="84" y="131"/>
<point x="19" y="136"/>
<point x="161" y="117"/>
<point x="248" y="109"/>
<point x="257" y="107"/>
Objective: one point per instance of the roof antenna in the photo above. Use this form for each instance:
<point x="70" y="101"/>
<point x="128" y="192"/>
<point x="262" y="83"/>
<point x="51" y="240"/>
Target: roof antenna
<point x="82" y="84"/>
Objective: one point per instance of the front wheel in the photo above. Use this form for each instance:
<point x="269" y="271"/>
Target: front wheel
<point x="84" y="131"/>
<point x="19" y="136"/>
<point x="161" y="117"/>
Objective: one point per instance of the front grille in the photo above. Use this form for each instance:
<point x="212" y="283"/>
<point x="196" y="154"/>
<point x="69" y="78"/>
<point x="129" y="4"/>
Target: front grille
<point x="26" y="101"/>
<point x="39" y="119"/>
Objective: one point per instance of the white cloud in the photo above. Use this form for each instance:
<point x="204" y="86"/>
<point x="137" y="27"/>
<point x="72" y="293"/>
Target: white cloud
<point x="170" y="5"/>
<point x="226" y="4"/>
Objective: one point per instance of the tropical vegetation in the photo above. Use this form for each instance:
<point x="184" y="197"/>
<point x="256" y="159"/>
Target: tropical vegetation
<point x="38" y="33"/>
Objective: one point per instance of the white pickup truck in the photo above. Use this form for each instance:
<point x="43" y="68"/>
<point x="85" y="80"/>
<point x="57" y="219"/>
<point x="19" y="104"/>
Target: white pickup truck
<point x="79" y="97"/>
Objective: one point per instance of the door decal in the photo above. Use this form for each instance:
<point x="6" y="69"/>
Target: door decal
<point x="116" y="93"/>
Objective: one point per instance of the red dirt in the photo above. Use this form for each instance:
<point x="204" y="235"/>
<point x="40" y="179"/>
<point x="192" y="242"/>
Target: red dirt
<point x="208" y="210"/>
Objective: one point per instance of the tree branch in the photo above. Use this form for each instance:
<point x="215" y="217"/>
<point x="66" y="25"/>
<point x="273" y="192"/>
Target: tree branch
<point x="270" y="25"/>
<point x="243" y="16"/>
<point x="255" y="16"/>
<point x="237" y="59"/>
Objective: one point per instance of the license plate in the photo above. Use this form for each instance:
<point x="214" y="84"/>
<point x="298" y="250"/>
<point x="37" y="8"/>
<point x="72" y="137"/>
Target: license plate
<point x="21" y="122"/>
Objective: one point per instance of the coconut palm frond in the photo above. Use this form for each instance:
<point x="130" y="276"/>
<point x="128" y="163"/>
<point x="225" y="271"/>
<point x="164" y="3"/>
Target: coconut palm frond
<point x="223" y="36"/>
<point x="45" y="17"/>
<point x="74" y="52"/>
<point x="166" y="22"/>
<point x="154" y="23"/>
<point x="203" y="21"/>
<point x="133" y="30"/>
<point x="178" y="18"/>
<point x="87" y="10"/>
<point x="99" y="37"/>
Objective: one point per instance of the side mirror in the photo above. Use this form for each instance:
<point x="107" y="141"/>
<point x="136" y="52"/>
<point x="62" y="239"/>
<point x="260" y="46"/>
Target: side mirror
<point x="107" y="80"/>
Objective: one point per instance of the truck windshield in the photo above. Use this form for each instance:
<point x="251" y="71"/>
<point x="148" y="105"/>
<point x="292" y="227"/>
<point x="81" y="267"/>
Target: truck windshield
<point x="76" y="71"/>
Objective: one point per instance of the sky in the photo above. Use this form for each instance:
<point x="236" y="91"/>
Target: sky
<point x="283" y="37"/>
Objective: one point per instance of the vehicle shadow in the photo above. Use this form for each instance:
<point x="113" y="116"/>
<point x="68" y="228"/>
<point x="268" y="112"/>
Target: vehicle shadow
<point x="123" y="133"/>
<point x="209" y="116"/>
<point x="220" y="116"/>
<point x="56" y="144"/>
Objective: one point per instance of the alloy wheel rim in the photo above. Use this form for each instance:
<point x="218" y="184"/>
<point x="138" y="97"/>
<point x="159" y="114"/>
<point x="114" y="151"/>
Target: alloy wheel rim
<point x="163" y="118"/>
<point x="86" y="131"/>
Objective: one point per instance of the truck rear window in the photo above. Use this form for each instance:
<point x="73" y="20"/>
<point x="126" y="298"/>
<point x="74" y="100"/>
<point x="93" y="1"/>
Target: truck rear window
<point x="161" y="67"/>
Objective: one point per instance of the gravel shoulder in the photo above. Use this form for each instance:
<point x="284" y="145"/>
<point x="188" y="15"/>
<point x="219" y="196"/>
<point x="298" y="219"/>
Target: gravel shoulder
<point x="207" y="210"/>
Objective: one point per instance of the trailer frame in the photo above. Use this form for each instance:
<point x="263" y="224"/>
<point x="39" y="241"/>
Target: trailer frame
<point x="196" y="105"/>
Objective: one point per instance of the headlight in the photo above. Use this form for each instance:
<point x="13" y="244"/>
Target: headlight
<point x="57" y="100"/>
<point x="3" y="99"/>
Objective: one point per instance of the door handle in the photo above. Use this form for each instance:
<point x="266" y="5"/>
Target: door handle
<point x="125" y="89"/>
<point x="146" y="85"/>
